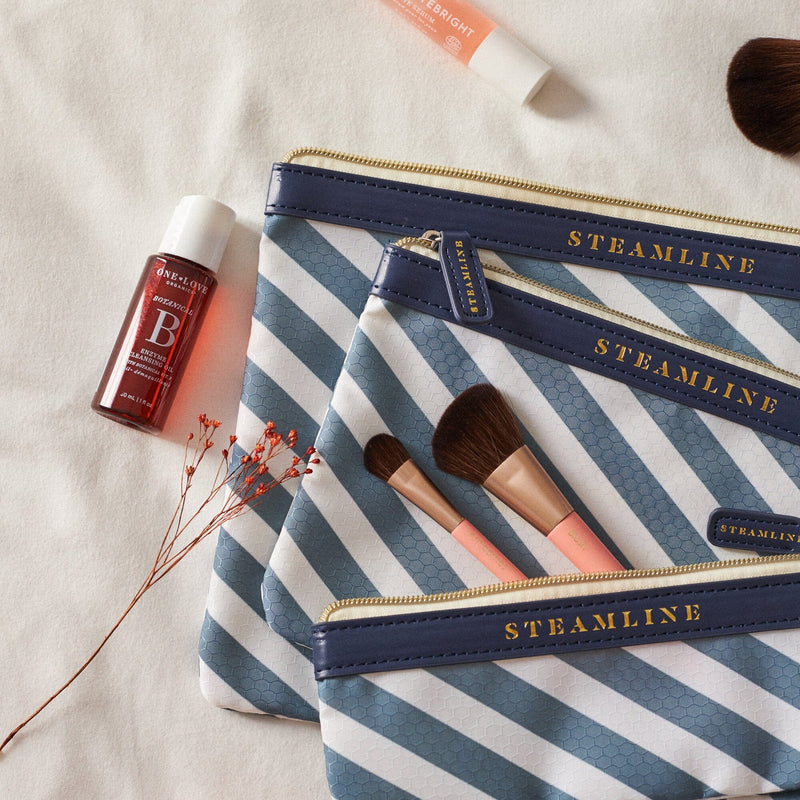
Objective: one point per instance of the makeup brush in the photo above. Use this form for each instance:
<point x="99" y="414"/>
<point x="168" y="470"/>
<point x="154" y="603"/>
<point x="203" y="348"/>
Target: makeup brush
<point x="387" y="458"/>
<point x="764" y="93"/>
<point x="478" y="439"/>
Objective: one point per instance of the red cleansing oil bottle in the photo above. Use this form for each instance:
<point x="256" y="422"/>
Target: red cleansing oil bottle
<point x="164" y="316"/>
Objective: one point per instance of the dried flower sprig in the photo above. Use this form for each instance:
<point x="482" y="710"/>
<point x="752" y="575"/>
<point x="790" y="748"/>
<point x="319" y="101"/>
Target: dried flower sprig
<point x="243" y="483"/>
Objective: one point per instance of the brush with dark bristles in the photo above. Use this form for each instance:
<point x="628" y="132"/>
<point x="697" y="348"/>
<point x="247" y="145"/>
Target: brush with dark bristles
<point x="387" y="458"/>
<point x="763" y="86"/>
<point x="478" y="439"/>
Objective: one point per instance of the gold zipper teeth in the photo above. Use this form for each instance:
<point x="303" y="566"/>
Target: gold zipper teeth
<point x="528" y="185"/>
<point x="552" y="580"/>
<point x="410" y="241"/>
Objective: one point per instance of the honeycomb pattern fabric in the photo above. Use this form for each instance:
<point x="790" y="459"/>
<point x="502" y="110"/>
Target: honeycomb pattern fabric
<point x="706" y="719"/>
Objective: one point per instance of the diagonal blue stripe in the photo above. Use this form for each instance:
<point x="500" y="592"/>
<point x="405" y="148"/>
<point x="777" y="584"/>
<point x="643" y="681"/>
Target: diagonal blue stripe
<point x="571" y="731"/>
<point x="693" y="712"/>
<point x="324" y="551"/>
<point x="701" y="450"/>
<point x="247" y="676"/>
<point x="693" y="315"/>
<point x="239" y="570"/>
<point x="348" y="781"/>
<point x="283" y="614"/>
<point x="756" y="661"/>
<point x="268" y="400"/>
<point x="313" y="253"/>
<point x="616" y="458"/>
<point x="784" y="311"/>
<point x="298" y="332"/>
<point x="432" y="740"/>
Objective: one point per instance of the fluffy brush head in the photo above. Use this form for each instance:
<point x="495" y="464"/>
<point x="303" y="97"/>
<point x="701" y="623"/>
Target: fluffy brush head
<point x="476" y="433"/>
<point x="384" y="455"/>
<point x="764" y="93"/>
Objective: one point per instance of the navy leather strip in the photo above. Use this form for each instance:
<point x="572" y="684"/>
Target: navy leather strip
<point x="464" y="279"/>
<point x="622" y="619"/>
<point x="531" y="229"/>
<point x="583" y="340"/>
<point x="752" y="530"/>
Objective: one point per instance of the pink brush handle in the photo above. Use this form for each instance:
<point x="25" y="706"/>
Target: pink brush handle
<point x="575" y="539"/>
<point x="473" y="540"/>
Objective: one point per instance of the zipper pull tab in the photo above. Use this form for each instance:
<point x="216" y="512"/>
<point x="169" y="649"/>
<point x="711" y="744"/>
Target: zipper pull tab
<point x="463" y="275"/>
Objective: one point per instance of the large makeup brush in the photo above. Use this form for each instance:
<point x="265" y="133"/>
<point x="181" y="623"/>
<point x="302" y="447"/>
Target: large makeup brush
<point x="764" y="93"/>
<point x="478" y="439"/>
<point x="387" y="458"/>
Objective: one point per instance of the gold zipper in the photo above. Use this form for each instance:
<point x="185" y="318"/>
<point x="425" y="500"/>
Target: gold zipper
<point x="429" y="241"/>
<point x="528" y="185"/>
<point x="497" y="589"/>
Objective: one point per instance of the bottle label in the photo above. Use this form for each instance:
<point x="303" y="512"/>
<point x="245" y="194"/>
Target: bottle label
<point x="155" y="340"/>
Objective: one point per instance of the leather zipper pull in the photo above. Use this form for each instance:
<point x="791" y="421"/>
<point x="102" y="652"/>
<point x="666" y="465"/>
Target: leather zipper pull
<point x="464" y="278"/>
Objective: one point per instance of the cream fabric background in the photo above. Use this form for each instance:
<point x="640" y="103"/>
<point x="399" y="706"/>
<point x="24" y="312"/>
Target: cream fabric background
<point x="110" y="113"/>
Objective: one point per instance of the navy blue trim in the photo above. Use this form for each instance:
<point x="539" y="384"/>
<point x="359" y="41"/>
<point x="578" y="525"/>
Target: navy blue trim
<point x="491" y="633"/>
<point x="630" y="246"/>
<point x="610" y="349"/>
<point x="754" y="530"/>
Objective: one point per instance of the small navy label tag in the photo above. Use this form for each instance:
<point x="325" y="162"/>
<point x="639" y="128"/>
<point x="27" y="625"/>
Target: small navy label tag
<point x="758" y="531"/>
<point x="463" y="275"/>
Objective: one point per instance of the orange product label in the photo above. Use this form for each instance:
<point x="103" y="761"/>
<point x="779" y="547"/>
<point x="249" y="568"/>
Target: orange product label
<point x="454" y="25"/>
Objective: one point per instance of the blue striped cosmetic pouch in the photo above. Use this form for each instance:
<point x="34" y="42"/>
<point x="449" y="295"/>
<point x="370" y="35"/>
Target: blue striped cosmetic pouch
<point x="654" y="684"/>
<point x="643" y="466"/>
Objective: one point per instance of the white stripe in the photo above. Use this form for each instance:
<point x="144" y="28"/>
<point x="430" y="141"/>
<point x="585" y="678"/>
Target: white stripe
<point x="264" y="644"/>
<point x="726" y="687"/>
<point x="497" y="733"/>
<point x="757" y="463"/>
<point x="654" y="447"/>
<point x="786" y="642"/>
<point x="649" y="731"/>
<point x="616" y="291"/>
<point x="307" y="294"/>
<point x="411" y="369"/>
<point x="359" y="247"/>
<point x="277" y="361"/>
<point x="755" y="324"/>
<point x="253" y="534"/>
<point x="299" y="578"/>
<point x="389" y="761"/>
<point x="568" y="455"/>
<point x="357" y="535"/>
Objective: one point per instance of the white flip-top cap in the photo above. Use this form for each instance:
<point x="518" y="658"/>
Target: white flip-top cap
<point x="198" y="231"/>
<point x="509" y="65"/>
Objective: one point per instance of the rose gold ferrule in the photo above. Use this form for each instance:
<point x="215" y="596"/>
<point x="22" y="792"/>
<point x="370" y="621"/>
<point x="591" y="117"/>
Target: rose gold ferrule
<point x="411" y="482"/>
<point x="522" y="483"/>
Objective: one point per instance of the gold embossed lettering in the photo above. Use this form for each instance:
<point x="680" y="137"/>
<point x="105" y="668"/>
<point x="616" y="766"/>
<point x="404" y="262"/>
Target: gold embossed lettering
<point x="669" y="614"/>
<point x="692" y="612"/>
<point x="661" y="255"/>
<point x="578" y="626"/>
<point x="556" y="626"/>
<point x="616" y="246"/>
<point x="533" y="627"/>
<point x="601" y="348"/>
<point x="602" y="623"/>
<point x="574" y="238"/>
<point x="626" y="620"/>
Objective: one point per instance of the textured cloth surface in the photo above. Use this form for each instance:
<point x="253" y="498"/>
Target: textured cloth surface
<point x="110" y="114"/>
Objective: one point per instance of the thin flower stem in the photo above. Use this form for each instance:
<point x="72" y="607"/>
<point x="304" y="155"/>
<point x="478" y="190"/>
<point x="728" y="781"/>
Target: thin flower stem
<point x="243" y="492"/>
